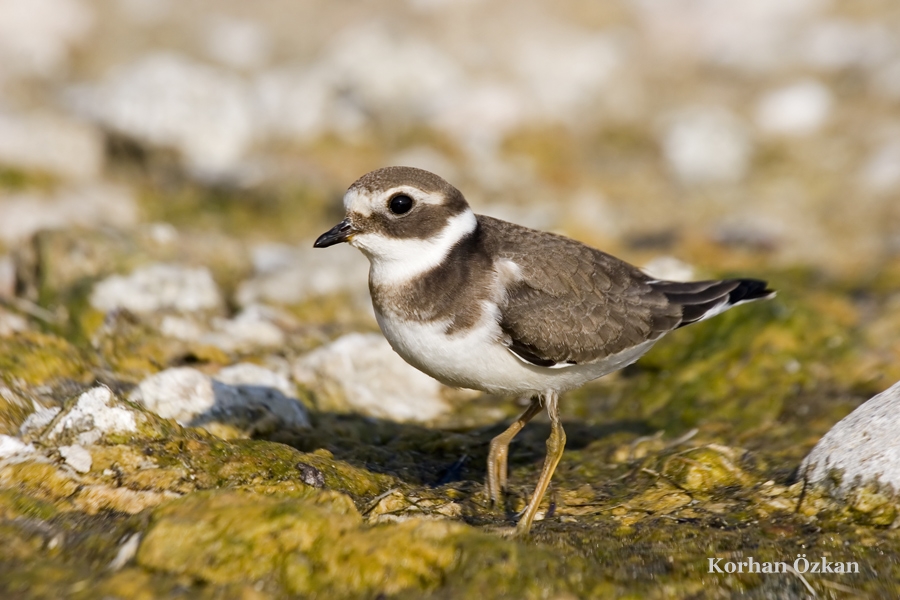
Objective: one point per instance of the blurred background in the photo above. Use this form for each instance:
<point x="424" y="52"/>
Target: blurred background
<point x="763" y="132"/>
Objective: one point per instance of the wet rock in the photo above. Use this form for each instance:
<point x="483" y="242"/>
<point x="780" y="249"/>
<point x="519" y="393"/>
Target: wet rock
<point x="800" y="108"/>
<point x="361" y="373"/>
<point x="197" y="400"/>
<point x="158" y="287"/>
<point x="861" y="449"/>
<point x="169" y="101"/>
<point x="36" y="37"/>
<point x="51" y="144"/>
<point x="289" y="275"/>
<point x="23" y="214"/>
<point x="706" y="145"/>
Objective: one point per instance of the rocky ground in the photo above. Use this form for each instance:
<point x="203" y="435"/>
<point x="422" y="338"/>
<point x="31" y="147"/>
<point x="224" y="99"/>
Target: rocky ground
<point x="195" y="403"/>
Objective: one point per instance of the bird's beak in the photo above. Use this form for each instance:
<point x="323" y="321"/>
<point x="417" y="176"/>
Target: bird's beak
<point x="337" y="234"/>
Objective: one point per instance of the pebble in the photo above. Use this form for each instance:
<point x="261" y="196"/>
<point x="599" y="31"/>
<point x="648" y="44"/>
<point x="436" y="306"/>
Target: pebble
<point x="361" y="373"/>
<point x="158" y="287"/>
<point x="863" y="446"/>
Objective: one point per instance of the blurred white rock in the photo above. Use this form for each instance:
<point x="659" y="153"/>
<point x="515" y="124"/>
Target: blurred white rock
<point x="863" y="447"/>
<point x="7" y="276"/>
<point x="10" y="446"/>
<point x="290" y="275"/>
<point x="145" y="12"/>
<point x="428" y="158"/>
<point x="757" y="231"/>
<point x="752" y="36"/>
<point x="361" y="373"/>
<point x="158" y="287"/>
<point x="96" y="413"/>
<point x="881" y="171"/>
<point x="800" y="108"/>
<point x="563" y="70"/>
<point x="77" y="457"/>
<point x="38" y="420"/>
<point x="886" y="80"/>
<point x="706" y="145"/>
<point x="36" y="36"/>
<point x="236" y="43"/>
<point x="251" y="329"/>
<point x="169" y="101"/>
<point x="480" y="114"/>
<point x="198" y="400"/>
<point x="11" y="323"/>
<point x="52" y="144"/>
<point x="87" y="205"/>
<point x="669" y="268"/>
<point x="252" y="374"/>
<point x="833" y="44"/>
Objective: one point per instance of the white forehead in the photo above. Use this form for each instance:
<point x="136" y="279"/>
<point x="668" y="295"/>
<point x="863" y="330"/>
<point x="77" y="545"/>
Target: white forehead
<point x="365" y="201"/>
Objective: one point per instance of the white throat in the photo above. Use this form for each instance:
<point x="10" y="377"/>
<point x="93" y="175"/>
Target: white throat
<point x="397" y="260"/>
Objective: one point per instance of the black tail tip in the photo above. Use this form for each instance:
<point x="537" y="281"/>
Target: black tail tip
<point x="750" y="289"/>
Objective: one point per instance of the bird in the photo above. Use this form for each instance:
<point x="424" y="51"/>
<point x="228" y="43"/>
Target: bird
<point x="477" y="302"/>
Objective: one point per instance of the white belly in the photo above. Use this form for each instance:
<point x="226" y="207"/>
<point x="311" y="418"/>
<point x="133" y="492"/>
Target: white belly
<point x="476" y="358"/>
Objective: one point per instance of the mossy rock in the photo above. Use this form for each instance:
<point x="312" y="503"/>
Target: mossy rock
<point x="33" y="358"/>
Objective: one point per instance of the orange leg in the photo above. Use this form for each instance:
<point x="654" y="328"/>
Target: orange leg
<point x="499" y="451"/>
<point x="556" y="443"/>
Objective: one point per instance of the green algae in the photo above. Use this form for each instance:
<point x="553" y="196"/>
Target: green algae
<point x="32" y="358"/>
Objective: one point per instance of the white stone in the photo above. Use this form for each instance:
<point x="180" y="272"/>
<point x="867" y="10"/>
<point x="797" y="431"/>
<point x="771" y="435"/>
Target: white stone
<point x="236" y="43"/>
<point x="291" y="275"/>
<point x="706" y="145"/>
<point x="92" y="417"/>
<point x="195" y="399"/>
<point x="864" y="446"/>
<point x="834" y="44"/>
<point x="669" y="268"/>
<point x="800" y="108"/>
<point x="10" y="446"/>
<point x="361" y="373"/>
<point x="77" y="457"/>
<point x="7" y="276"/>
<point x="881" y="172"/>
<point x="88" y="205"/>
<point x="52" y="144"/>
<point x="158" y="287"/>
<point x="251" y="374"/>
<point x="169" y="101"/>
<point x="11" y="323"/>
<point x="252" y="328"/>
<point x="37" y="35"/>
<point x="39" y="419"/>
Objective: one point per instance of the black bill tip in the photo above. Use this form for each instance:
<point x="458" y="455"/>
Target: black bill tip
<point x="337" y="234"/>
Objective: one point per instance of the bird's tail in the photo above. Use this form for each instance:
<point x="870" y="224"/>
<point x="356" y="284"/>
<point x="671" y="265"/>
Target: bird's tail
<point x="704" y="299"/>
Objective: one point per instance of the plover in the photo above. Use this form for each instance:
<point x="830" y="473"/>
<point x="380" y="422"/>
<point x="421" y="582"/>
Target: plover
<point x="480" y="303"/>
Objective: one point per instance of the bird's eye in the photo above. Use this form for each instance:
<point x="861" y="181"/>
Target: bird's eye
<point x="400" y="204"/>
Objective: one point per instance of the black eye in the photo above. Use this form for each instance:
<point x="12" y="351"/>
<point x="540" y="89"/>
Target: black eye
<point x="400" y="204"/>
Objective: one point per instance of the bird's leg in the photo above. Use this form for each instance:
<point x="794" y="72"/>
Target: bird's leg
<point x="499" y="450"/>
<point x="556" y="443"/>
